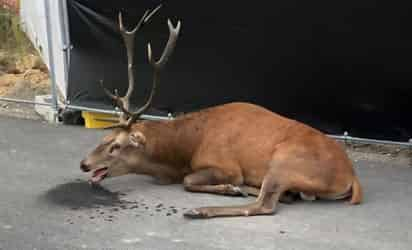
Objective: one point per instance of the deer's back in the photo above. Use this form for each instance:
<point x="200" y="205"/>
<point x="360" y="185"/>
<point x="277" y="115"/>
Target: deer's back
<point x="248" y="135"/>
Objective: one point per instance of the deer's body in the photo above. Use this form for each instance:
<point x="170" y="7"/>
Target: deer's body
<point x="232" y="149"/>
<point x="238" y="146"/>
<point x="242" y="141"/>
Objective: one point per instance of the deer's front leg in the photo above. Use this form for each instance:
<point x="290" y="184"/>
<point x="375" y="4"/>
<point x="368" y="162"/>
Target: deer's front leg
<point x="213" y="180"/>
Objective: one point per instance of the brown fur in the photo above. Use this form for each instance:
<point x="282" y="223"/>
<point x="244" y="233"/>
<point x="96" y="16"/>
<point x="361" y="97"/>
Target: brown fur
<point x="223" y="148"/>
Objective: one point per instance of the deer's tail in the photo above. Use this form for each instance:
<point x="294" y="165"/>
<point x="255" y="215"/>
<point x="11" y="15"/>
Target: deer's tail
<point x="357" y="194"/>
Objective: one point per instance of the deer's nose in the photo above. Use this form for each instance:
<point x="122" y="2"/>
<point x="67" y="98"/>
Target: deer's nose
<point x="84" y="166"/>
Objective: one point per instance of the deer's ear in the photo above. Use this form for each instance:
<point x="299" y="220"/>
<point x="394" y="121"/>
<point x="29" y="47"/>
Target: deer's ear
<point x="137" y="139"/>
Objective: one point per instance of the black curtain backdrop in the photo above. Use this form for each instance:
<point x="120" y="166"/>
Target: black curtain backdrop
<point x="336" y="65"/>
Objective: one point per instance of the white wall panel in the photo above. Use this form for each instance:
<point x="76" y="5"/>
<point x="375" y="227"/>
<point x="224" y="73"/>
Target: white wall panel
<point x="33" y="18"/>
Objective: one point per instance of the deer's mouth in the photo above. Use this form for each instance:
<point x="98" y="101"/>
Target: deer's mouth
<point x="99" y="174"/>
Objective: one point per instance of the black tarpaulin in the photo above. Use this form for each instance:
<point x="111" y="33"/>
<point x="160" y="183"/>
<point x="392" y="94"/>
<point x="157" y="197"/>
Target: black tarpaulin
<point x="337" y="65"/>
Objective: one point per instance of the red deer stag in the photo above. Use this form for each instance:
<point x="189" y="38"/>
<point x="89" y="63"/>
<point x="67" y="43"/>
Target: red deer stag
<point x="231" y="149"/>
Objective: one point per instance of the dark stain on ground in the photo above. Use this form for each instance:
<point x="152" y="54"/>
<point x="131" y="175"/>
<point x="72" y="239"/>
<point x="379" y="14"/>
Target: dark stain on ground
<point x="80" y="194"/>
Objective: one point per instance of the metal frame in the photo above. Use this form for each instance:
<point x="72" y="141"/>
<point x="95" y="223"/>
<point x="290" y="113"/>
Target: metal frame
<point x="66" y="36"/>
<point x="346" y="138"/>
<point x="116" y="112"/>
<point x="50" y="47"/>
<point x="5" y="99"/>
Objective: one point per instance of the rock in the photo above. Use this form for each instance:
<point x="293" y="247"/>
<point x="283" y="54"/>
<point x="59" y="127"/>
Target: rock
<point x="21" y="89"/>
<point x="2" y="70"/>
<point x="29" y="62"/>
<point x="13" y="70"/>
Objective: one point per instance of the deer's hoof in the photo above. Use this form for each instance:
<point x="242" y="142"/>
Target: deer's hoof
<point x="240" y="191"/>
<point x="195" y="214"/>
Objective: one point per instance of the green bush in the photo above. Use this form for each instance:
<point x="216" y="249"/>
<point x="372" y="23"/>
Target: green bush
<point x="12" y="38"/>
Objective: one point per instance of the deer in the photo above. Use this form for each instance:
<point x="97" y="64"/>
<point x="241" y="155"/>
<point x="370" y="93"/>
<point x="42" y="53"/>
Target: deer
<point x="235" y="149"/>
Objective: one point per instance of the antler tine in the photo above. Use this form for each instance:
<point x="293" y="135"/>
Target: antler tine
<point x="170" y="46"/>
<point x="113" y="97"/>
<point x="147" y="18"/>
<point x="117" y="99"/>
<point x="129" y="38"/>
<point x="158" y="66"/>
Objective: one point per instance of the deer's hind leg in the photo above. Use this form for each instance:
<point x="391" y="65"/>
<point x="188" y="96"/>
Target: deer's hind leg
<point x="215" y="180"/>
<point x="270" y="193"/>
<point x="286" y="198"/>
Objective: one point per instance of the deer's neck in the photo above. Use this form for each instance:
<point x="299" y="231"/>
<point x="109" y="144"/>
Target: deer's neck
<point x="165" y="174"/>
<point x="166" y="158"/>
<point x="167" y="143"/>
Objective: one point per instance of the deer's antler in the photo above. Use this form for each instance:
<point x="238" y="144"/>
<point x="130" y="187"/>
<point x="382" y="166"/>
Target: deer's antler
<point x="157" y="67"/>
<point x="128" y="118"/>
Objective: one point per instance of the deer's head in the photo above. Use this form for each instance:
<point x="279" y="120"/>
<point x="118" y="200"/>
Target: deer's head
<point x="119" y="153"/>
<point x="123" y="149"/>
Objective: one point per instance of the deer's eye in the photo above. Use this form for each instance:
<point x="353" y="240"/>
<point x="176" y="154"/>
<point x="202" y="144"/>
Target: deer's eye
<point x="114" y="148"/>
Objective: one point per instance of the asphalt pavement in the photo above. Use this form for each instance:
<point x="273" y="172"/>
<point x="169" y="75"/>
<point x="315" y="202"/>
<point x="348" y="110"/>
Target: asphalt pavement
<point x="46" y="203"/>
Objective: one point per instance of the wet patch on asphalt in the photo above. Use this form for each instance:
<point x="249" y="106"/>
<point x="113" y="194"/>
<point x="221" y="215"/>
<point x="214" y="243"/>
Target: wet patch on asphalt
<point x="80" y="194"/>
<point x="95" y="203"/>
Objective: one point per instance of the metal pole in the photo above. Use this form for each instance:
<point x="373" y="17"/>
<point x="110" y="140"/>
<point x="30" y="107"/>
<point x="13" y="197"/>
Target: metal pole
<point x="55" y="104"/>
<point x="65" y="36"/>
<point x="115" y="112"/>
<point x="5" y="99"/>
<point x="347" y="138"/>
